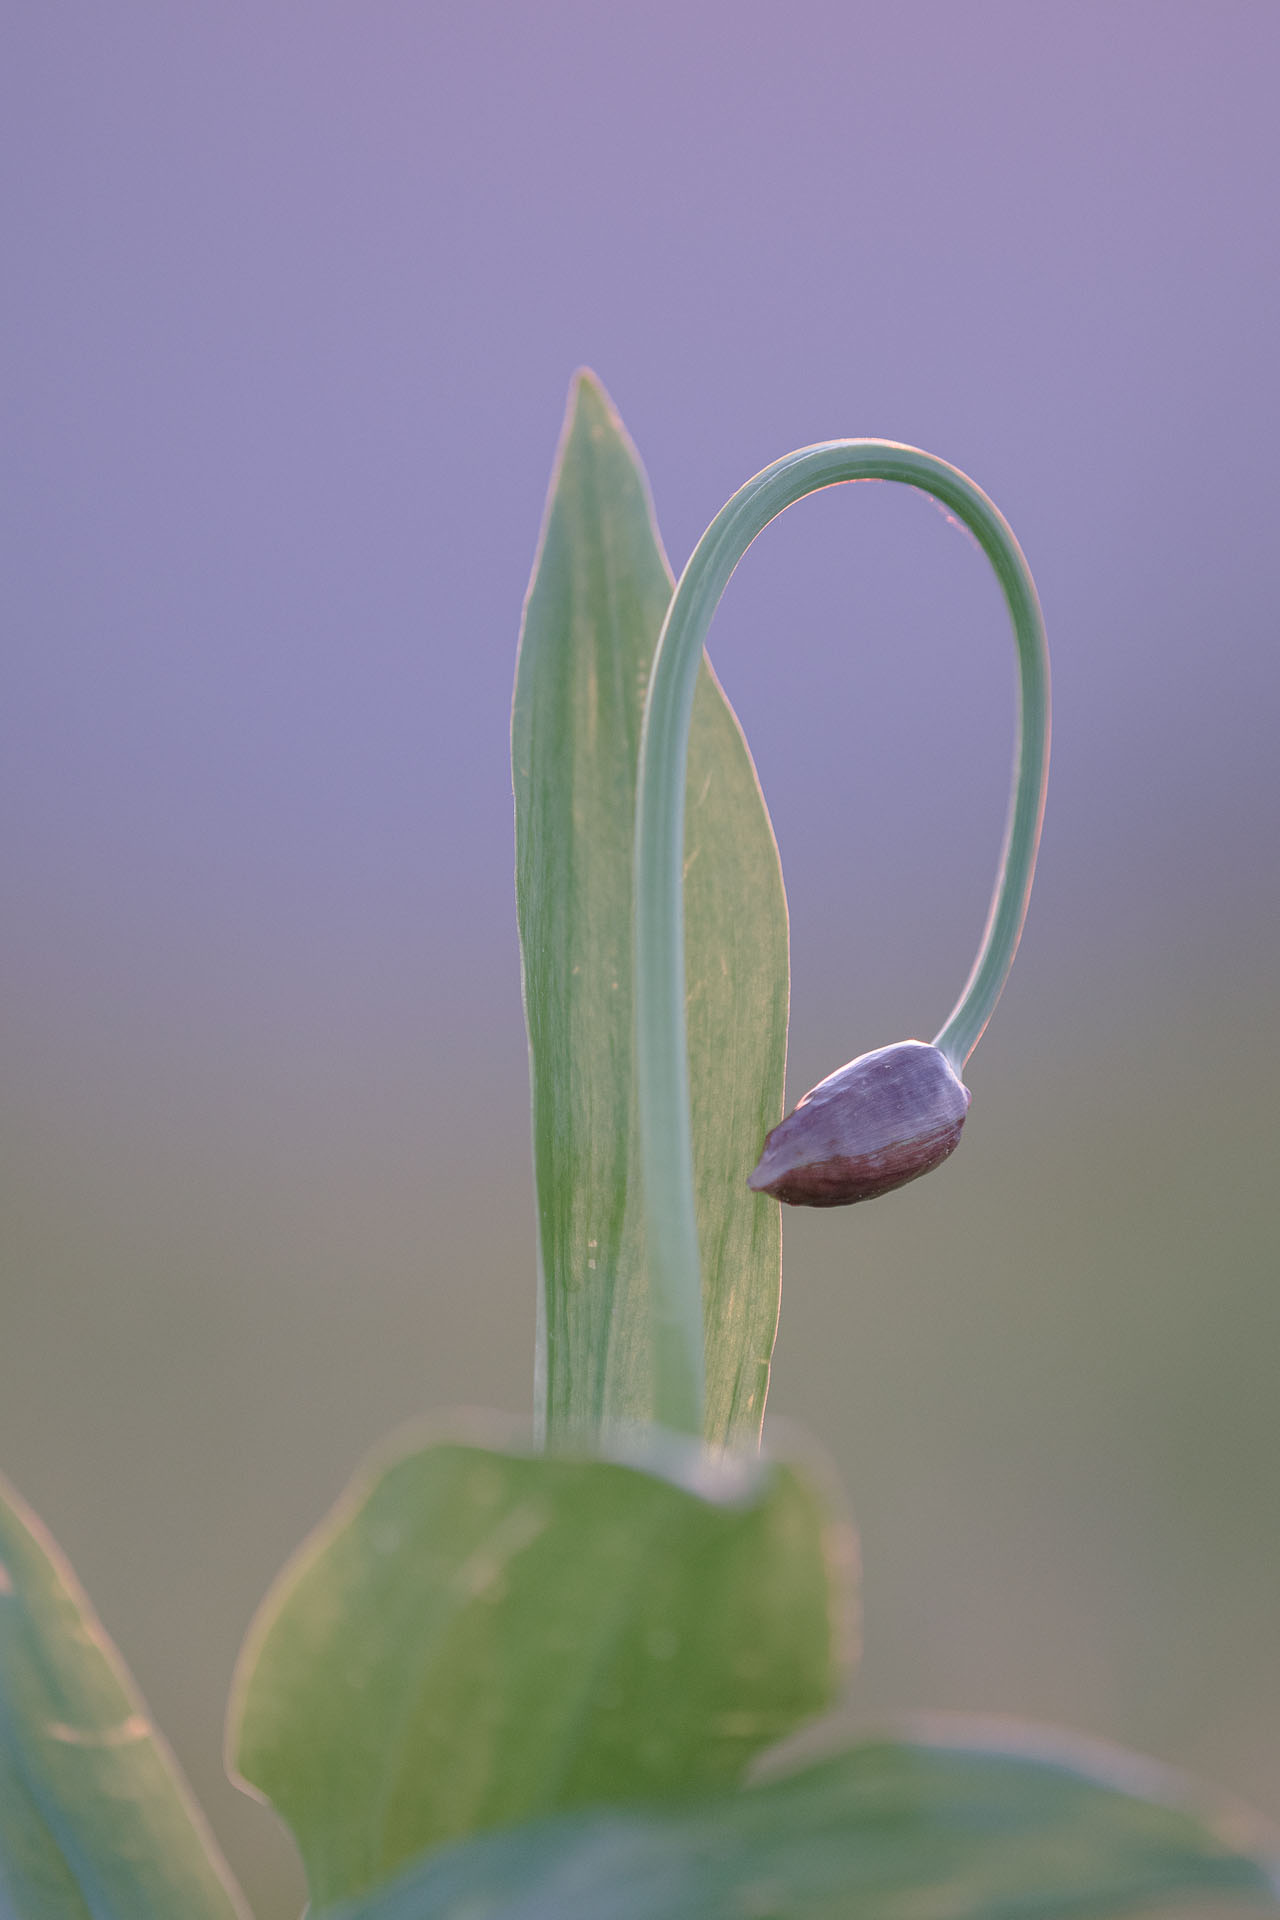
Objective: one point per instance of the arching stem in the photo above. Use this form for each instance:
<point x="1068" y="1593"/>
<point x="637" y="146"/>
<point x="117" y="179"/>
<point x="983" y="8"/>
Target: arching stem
<point x="661" y="1047"/>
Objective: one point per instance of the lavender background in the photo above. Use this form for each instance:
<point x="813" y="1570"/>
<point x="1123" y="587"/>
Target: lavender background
<point x="293" y="294"/>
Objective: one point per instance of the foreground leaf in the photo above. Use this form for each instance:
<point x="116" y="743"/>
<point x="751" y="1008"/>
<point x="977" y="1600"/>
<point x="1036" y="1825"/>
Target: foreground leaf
<point x="475" y="1638"/>
<point x="600" y="589"/>
<point x="95" y="1819"/>
<point x="887" y="1831"/>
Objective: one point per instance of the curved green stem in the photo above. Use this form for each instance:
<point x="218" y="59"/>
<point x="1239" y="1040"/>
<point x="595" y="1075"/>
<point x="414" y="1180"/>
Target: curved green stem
<point x="661" y="1049"/>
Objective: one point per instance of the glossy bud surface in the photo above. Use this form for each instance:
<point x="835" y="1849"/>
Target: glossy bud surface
<point x="884" y="1119"/>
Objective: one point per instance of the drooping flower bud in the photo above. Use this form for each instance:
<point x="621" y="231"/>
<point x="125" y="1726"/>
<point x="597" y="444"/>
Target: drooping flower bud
<point x="884" y="1119"/>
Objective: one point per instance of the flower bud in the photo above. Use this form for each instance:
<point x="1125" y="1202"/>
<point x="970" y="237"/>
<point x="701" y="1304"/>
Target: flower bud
<point x="884" y="1119"/>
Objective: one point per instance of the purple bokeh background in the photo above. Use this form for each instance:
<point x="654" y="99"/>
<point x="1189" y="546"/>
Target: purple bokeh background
<point x="293" y="295"/>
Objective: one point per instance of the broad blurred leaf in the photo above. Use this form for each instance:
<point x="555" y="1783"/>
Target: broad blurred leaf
<point x="887" y="1831"/>
<point x="600" y="588"/>
<point x="474" y="1638"/>
<point x="95" y="1819"/>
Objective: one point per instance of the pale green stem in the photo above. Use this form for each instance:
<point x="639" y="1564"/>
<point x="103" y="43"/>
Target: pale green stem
<point x="662" y="1070"/>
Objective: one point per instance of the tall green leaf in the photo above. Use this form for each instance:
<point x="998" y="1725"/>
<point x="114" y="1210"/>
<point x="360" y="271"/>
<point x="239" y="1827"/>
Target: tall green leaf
<point x="474" y="1638"/>
<point x="887" y="1831"/>
<point x="600" y="588"/>
<point x="95" y="1819"/>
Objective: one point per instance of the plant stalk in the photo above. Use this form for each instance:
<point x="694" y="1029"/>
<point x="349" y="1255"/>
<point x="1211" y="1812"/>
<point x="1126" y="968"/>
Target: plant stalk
<point x="662" y="1073"/>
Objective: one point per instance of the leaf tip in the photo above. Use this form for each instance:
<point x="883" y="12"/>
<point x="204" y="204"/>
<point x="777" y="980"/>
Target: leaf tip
<point x="591" y="407"/>
<point x="586" y="385"/>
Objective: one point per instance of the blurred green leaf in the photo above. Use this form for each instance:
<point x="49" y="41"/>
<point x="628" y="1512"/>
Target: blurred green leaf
<point x="887" y="1831"/>
<point x="599" y="592"/>
<point x="95" y="1819"/>
<point x="475" y="1638"/>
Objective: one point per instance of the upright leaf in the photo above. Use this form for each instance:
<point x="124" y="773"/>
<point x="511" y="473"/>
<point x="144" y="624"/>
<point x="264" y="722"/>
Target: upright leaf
<point x="600" y="588"/>
<point x="95" y="1819"/>
<point x="888" y="1831"/>
<point x="474" y="1638"/>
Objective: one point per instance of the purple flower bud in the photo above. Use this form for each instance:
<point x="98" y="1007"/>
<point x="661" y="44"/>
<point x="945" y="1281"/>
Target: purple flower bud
<point x="884" y="1119"/>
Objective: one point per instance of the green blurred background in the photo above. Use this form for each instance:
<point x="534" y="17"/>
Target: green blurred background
<point x="298" y="293"/>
